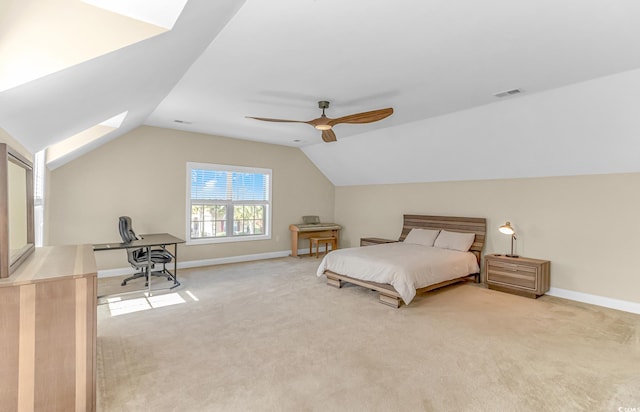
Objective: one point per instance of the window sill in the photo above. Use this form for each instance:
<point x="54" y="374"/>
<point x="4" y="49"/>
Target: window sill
<point x="207" y="241"/>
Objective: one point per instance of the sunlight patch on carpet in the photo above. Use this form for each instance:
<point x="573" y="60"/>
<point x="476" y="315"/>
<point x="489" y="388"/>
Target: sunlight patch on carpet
<point x="159" y="301"/>
<point x="118" y="306"/>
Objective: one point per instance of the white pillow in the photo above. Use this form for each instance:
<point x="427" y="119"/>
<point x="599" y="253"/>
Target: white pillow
<point x="455" y="240"/>
<point x="424" y="237"/>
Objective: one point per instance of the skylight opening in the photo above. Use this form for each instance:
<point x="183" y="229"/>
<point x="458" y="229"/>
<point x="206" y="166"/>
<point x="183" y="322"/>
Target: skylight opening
<point x="24" y="68"/>
<point x="163" y="13"/>
<point x="115" y="121"/>
<point x="65" y="147"/>
<point x="55" y="35"/>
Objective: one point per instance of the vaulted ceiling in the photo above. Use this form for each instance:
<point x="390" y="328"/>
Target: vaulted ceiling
<point x="226" y="59"/>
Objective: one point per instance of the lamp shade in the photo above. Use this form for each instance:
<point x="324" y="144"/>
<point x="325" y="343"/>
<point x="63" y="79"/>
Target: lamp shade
<point x="507" y="229"/>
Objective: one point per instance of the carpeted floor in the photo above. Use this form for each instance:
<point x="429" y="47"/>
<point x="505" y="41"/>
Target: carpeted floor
<point x="271" y="336"/>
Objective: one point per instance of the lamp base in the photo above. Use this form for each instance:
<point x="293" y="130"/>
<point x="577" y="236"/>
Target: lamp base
<point x="512" y="256"/>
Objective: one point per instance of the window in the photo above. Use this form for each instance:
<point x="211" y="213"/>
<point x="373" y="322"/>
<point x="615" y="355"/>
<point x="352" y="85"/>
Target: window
<point x="227" y="203"/>
<point x="39" y="170"/>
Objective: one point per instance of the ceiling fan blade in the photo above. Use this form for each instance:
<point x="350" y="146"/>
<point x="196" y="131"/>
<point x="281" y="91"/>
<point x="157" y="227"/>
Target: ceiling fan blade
<point x="328" y="136"/>
<point x="365" y="117"/>
<point x="266" y="119"/>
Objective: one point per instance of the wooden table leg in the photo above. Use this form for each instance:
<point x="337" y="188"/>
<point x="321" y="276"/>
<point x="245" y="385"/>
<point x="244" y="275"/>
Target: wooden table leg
<point x="294" y="243"/>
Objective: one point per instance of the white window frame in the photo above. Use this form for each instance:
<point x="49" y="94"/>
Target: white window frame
<point x="39" y="173"/>
<point x="228" y="168"/>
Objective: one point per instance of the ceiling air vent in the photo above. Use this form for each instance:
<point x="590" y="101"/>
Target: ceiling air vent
<point x="508" y="93"/>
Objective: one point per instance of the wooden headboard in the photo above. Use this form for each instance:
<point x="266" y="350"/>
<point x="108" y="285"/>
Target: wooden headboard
<point x="477" y="225"/>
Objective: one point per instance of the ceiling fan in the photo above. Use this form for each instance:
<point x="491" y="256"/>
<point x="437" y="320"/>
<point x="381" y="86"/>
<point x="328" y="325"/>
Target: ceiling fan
<point x="325" y="123"/>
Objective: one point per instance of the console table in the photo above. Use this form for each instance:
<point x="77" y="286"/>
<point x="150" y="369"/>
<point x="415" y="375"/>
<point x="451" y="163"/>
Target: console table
<point x="305" y="231"/>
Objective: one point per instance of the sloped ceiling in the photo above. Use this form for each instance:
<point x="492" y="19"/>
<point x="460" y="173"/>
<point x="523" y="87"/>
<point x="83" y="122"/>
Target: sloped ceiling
<point x="437" y="63"/>
<point x="40" y="37"/>
<point x="134" y="78"/>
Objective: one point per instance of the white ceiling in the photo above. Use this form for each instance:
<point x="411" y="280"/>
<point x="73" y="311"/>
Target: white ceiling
<point x="228" y="59"/>
<point x="424" y="58"/>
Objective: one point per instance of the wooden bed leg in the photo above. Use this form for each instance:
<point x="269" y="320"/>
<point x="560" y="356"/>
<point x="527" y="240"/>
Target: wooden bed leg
<point x="390" y="301"/>
<point x="334" y="282"/>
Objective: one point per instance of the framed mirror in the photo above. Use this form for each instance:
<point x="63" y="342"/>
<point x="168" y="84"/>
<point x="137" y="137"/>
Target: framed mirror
<point x="16" y="209"/>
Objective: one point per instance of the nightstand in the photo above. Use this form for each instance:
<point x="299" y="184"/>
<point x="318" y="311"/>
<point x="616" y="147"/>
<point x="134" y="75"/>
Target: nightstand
<point x="522" y="276"/>
<point x="368" y="241"/>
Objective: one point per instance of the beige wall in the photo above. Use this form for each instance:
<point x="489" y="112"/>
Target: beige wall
<point x="143" y="175"/>
<point x="587" y="226"/>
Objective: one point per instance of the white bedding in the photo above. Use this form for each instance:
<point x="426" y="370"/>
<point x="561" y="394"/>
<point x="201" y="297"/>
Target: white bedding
<point x="405" y="266"/>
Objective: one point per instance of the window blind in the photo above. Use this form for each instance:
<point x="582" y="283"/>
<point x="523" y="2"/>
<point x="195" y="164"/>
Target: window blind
<point x="220" y="185"/>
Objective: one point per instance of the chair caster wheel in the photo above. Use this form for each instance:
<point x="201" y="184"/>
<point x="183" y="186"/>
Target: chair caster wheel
<point x="146" y="284"/>
<point x="124" y="283"/>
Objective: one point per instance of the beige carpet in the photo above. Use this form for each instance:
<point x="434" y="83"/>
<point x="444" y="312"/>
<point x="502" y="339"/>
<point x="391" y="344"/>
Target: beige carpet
<point x="271" y="336"/>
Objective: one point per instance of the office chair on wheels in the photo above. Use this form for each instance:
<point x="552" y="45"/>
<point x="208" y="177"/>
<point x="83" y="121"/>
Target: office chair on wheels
<point x="138" y="257"/>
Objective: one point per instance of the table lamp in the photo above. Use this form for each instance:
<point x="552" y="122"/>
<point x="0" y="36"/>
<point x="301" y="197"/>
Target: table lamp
<point x="507" y="229"/>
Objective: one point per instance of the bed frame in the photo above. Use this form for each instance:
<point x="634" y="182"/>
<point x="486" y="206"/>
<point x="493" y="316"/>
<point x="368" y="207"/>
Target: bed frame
<point x="388" y="295"/>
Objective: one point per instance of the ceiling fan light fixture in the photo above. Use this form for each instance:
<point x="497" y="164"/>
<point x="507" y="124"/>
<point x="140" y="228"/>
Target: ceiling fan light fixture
<point x="325" y="124"/>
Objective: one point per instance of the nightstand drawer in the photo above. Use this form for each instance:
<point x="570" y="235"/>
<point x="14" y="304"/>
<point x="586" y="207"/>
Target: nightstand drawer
<point x="512" y="267"/>
<point x="524" y="279"/>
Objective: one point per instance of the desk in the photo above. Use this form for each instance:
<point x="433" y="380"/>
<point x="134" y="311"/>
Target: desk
<point x="305" y="231"/>
<point x="148" y="241"/>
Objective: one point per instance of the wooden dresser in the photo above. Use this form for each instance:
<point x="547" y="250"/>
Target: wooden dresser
<point x="48" y="340"/>
<point x="521" y="275"/>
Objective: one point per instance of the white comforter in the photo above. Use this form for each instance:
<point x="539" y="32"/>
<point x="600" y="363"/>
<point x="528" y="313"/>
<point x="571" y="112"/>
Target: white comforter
<point x="405" y="266"/>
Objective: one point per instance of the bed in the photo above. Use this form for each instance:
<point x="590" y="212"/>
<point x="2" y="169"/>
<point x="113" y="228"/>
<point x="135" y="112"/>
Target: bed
<point x="400" y="270"/>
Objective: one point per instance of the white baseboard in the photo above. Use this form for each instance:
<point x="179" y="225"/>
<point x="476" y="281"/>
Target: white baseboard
<point x="206" y="262"/>
<point x="107" y="273"/>
<point x="236" y="259"/>
<point x="618" y="304"/>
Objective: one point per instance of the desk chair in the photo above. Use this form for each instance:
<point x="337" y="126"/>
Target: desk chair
<point x="138" y="257"/>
